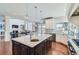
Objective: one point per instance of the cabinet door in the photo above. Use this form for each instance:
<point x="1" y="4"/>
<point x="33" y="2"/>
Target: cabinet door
<point x="16" y="48"/>
<point x="61" y="38"/>
<point x="54" y="37"/>
<point x="48" y="44"/>
<point x="24" y="50"/>
<point x="38" y="50"/>
<point x="49" y="24"/>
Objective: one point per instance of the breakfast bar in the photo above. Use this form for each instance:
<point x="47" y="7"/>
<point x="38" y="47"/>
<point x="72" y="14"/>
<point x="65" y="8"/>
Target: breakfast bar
<point x="24" y="46"/>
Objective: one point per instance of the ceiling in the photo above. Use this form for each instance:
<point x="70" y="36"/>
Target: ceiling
<point x="20" y="10"/>
<point x="75" y="15"/>
<point x="13" y="9"/>
<point x="75" y="20"/>
<point x="76" y="12"/>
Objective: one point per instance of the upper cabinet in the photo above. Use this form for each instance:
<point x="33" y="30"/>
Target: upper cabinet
<point x="49" y="24"/>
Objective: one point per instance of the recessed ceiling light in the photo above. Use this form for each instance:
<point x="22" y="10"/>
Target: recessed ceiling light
<point x="26" y="17"/>
<point x="64" y="9"/>
<point x="35" y="7"/>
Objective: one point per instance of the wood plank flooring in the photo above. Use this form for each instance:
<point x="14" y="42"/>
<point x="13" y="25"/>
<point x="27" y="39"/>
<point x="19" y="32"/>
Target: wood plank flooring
<point x="57" y="49"/>
<point x="6" y="48"/>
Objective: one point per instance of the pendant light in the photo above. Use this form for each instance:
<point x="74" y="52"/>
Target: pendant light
<point x="26" y="19"/>
<point x="36" y="15"/>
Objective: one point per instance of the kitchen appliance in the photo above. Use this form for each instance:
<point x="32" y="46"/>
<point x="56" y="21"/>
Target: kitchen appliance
<point x="71" y="49"/>
<point x="14" y="32"/>
<point x="76" y="41"/>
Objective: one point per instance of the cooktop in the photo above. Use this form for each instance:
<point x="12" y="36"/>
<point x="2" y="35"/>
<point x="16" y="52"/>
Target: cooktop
<point x="76" y="41"/>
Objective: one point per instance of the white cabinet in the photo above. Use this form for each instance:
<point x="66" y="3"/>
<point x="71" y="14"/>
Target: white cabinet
<point x="49" y="23"/>
<point x="61" y="38"/>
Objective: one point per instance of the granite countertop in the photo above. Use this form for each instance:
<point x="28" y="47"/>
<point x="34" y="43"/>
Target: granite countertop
<point x="26" y="39"/>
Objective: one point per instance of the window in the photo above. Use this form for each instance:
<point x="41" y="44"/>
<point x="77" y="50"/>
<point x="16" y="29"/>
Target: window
<point x="59" y="26"/>
<point x="28" y="26"/>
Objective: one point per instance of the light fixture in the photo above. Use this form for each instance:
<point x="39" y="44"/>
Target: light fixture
<point x="36" y="13"/>
<point x="64" y="9"/>
<point x="41" y="14"/>
<point x="26" y="17"/>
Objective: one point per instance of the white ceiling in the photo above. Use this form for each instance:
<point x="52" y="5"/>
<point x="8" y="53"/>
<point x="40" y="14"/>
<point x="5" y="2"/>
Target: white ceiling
<point x="19" y="10"/>
<point x="75" y="20"/>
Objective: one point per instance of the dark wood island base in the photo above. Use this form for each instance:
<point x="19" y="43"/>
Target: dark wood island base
<point x="40" y="49"/>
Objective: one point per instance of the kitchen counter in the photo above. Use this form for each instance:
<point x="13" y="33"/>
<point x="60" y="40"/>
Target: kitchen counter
<point x="76" y="48"/>
<point x="26" y="39"/>
<point x="23" y="45"/>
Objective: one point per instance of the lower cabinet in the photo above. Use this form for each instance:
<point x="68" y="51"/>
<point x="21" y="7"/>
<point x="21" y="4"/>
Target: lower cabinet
<point x="19" y="49"/>
<point x="16" y="48"/>
<point x="24" y="50"/>
<point x="40" y="49"/>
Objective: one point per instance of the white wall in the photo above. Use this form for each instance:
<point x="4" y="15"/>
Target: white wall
<point x="15" y="22"/>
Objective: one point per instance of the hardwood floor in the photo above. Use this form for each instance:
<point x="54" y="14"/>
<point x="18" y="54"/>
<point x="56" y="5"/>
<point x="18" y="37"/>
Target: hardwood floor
<point x="1" y="47"/>
<point x="57" y="49"/>
<point x="6" y="48"/>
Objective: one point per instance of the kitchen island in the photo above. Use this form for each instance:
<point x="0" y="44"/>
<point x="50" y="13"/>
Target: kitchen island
<point x="24" y="46"/>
